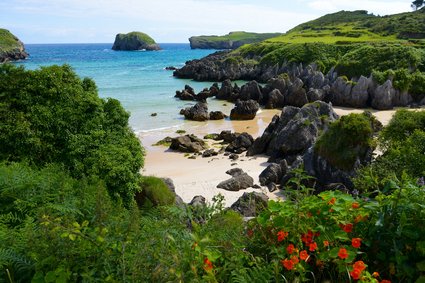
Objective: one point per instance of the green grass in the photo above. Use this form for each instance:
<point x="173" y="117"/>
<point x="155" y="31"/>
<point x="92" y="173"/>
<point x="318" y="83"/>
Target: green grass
<point x="8" y="41"/>
<point x="141" y="36"/>
<point x="154" y="192"/>
<point x="237" y="36"/>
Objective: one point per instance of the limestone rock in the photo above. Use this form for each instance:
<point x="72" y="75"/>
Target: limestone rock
<point x="134" y="41"/>
<point x="239" y="181"/>
<point x="187" y="143"/>
<point x="250" y="204"/>
<point x="244" y="110"/>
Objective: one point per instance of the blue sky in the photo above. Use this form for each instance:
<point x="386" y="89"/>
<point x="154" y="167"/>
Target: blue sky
<point x="93" y="21"/>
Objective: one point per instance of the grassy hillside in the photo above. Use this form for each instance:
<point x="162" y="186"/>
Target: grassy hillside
<point x="232" y="40"/>
<point x="8" y="41"/>
<point x="139" y="35"/>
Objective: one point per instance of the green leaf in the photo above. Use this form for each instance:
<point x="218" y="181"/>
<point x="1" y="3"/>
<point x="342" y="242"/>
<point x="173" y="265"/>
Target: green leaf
<point x="421" y="265"/>
<point x="38" y="277"/>
<point x="341" y="235"/>
<point x="334" y="252"/>
<point x="72" y="237"/>
<point x="274" y="206"/>
<point x="420" y="280"/>
<point x="50" y="277"/>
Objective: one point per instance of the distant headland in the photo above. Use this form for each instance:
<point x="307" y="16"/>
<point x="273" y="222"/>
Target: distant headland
<point x="232" y="40"/>
<point x="11" y="48"/>
<point x="135" y="41"/>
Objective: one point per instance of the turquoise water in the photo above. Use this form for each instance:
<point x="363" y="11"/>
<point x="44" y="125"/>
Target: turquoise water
<point x="138" y="79"/>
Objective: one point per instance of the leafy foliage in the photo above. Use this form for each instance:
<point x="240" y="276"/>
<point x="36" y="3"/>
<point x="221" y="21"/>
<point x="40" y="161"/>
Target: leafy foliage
<point x="50" y="116"/>
<point x="347" y="138"/>
<point x="154" y="192"/>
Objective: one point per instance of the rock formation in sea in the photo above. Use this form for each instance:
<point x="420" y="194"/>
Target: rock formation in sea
<point x="11" y="48"/>
<point x="134" y="41"/>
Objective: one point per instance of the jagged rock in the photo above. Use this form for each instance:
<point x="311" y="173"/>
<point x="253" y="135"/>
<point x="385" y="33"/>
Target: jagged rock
<point x="170" y="184"/>
<point x="209" y="153"/>
<point x="198" y="112"/>
<point x="225" y="91"/>
<point x="275" y="99"/>
<point x="294" y="131"/>
<point x="244" y="110"/>
<point x="217" y="115"/>
<point x="271" y="187"/>
<point x="186" y="94"/>
<point x="187" y="143"/>
<point x="134" y="41"/>
<point x="170" y="68"/>
<point x="273" y="173"/>
<point x="251" y="90"/>
<point x="316" y="94"/>
<point x="233" y="156"/>
<point x="241" y="143"/>
<point x="239" y="181"/>
<point x="359" y="93"/>
<point x="250" y="204"/>
<point x="296" y="94"/>
<point x="228" y="136"/>
<point x="198" y="201"/>
<point x="12" y="48"/>
<point x="383" y="96"/>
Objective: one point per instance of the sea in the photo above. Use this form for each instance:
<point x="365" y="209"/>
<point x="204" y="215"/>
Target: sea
<point x="138" y="79"/>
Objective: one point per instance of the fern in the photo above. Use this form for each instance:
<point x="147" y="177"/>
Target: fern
<point x="18" y="265"/>
<point x="256" y="274"/>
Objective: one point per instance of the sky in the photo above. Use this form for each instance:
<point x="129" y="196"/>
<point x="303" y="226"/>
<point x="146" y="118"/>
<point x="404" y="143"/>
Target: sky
<point x="167" y="21"/>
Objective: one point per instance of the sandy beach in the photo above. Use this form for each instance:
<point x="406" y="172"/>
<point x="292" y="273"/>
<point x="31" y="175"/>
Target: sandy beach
<point x="200" y="176"/>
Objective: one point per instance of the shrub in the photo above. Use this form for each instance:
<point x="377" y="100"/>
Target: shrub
<point x="347" y="139"/>
<point x="50" y="115"/>
<point x="154" y="192"/>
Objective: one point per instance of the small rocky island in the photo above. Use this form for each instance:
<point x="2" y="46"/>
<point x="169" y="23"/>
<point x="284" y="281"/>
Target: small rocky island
<point x="134" y="41"/>
<point x="11" y="48"/>
<point x="232" y="40"/>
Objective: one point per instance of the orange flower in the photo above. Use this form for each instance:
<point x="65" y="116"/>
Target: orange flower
<point x="356" y="242"/>
<point x="281" y="235"/>
<point x="375" y="274"/>
<point x="313" y="246"/>
<point x="355" y="205"/>
<point x="304" y="255"/>
<point x="290" y="249"/>
<point x="348" y="227"/>
<point x="355" y="273"/>
<point x="289" y="265"/>
<point x="326" y="243"/>
<point x="359" y="265"/>
<point x="208" y="266"/>
<point x="385" y="281"/>
<point x="294" y="259"/>
<point x="307" y="238"/>
<point x="332" y="201"/>
<point x="342" y="253"/>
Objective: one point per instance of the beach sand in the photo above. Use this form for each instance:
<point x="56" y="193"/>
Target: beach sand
<point x="200" y="176"/>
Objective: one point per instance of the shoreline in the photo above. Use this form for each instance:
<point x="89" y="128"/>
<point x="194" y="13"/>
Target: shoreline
<point x="200" y="176"/>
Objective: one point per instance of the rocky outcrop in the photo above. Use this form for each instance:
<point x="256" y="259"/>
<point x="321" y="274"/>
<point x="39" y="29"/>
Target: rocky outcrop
<point x="244" y="110"/>
<point x="217" y="115"/>
<point x="188" y="143"/>
<point x="134" y="41"/>
<point x="250" y="204"/>
<point x="230" y="41"/>
<point x="241" y="143"/>
<point x="239" y="181"/>
<point x="273" y="173"/>
<point x="294" y="131"/>
<point x="11" y="48"/>
<point x="198" y="112"/>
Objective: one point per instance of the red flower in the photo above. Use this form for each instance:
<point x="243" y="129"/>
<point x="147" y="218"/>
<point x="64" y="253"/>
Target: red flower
<point x="355" y="274"/>
<point x="208" y="266"/>
<point x="348" y="227"/>
<point x="281" y="235"/>
<point x="326" y="243"/>
<point x="356" y="242"/>
<point x="313" y="246"/>
<point x="359" y="265"/>
<point x="290" y="249"/>
<point x="385" y="281"/>
<point x="294" y="259"/>
<point x="250" y="233"/>
<point x="342" y="253"/>
<point x="355" y="205"/>
<point x="304" y="255"/>
<point x="307" y="238"/>
<point x="289" y="265"/>
<point x="332" y="201"/>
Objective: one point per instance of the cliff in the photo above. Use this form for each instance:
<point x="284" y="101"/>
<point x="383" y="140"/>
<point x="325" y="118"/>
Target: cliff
<point x="134" y="41"/>
<point x="11" y="48"/>
<point x="232" y="40"/>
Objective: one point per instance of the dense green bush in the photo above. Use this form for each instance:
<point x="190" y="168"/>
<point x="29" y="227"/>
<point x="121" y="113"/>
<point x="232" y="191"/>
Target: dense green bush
<point x="50" y="115"/>
<point x="346" y="139"/>
<point x="154" y="192"/>
<point x="404" y="80"/>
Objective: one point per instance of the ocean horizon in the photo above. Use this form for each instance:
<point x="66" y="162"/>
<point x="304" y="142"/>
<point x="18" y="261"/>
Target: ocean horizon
<point x="138" y="79"/>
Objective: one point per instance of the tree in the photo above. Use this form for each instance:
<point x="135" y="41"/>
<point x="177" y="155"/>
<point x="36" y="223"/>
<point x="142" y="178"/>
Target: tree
<point x="51" y="116"/>
<point x="417" y="4"/>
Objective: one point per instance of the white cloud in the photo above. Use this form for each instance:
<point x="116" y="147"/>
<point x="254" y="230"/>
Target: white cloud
<point x="378" y="7"/>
